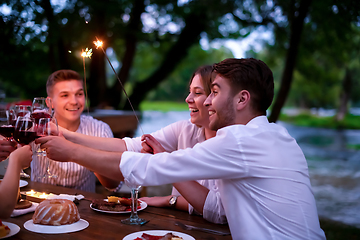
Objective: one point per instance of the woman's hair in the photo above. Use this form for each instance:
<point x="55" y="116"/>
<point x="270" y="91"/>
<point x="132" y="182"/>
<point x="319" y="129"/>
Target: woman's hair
<point x="59" y="76"/>
<point x="248" y="74"/>
<point x="205" y="77"/>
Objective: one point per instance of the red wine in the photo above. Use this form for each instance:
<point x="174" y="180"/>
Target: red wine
<point x="25" y="137"/>
<point x="38" y="115"/>
<point x="21" y="114"/>
<point x="7" y="131"/>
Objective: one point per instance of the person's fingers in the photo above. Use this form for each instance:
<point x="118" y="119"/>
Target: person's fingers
<point x="43" y="140"/>
<point x="146" y="148"/>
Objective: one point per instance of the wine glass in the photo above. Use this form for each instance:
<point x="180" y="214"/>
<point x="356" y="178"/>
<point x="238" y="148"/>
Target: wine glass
<point x="46" y="127"/>
<point x="24" y="132"/>
<point x="15" y="112"/>
<point x="6" y="129"/>
<point x="20" y="111"/>
<point x="134" y="218"/>
<point x="41" y="108"/>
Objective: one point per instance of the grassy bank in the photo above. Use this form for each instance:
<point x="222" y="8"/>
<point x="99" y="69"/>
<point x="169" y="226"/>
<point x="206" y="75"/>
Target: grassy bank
<point x="163" y="106"/>
<point x="309" y="120"/>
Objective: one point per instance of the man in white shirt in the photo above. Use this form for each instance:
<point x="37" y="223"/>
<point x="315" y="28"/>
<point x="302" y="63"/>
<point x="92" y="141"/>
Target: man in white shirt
<point x="264" y="182"/>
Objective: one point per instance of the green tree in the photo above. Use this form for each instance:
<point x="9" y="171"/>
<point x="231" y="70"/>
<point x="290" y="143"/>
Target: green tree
<point x="52" y="31"/>
<point x="316" y="54"/>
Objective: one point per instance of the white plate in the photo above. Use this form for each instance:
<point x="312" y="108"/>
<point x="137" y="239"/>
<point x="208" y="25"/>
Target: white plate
<point x="14" y="229"/>
<point x="22" y="183"/>
<point x="38" y="228"/>
<point x="132" y="236"/>
<point x="143" y="205"/>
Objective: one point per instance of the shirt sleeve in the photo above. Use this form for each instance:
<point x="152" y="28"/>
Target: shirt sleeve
<point x="106" y="131"/>
<point x="218" y="158"/>
<point x="213" y="210"/>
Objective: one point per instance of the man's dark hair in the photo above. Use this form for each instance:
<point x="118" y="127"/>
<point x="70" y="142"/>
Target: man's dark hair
<point x="248" y="74"/>
<point x="59" y="76"/>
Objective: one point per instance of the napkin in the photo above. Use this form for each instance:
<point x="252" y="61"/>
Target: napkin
<point x="18" y="212"/>
<point x="65" y="196"/>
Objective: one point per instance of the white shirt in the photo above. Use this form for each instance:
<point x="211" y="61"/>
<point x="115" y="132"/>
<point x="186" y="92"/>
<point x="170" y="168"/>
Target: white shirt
<point x="181" y="135"/>
<point x="71" y="174"/>
<point x="264" y="187"/>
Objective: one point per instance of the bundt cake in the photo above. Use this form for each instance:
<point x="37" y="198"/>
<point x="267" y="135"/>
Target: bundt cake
<point x="56" y="212"/>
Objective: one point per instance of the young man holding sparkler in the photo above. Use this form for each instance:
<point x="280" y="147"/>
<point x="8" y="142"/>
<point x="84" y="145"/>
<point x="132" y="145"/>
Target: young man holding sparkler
<point x="66" y="90"/>
<point x="264" y="182"/>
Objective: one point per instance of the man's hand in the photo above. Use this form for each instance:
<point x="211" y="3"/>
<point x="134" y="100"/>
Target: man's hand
<point x="57" y="148"/>
<point x="6" y="147"/>
<point x="150" y="145"/>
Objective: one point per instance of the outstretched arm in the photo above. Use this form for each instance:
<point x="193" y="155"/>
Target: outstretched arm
<point x="9" y="187"/>
<point x="102" y="162"/>
<point x="100" y="143"/>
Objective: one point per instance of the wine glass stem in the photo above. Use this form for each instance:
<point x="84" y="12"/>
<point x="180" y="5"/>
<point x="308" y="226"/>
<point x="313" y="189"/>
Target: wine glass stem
<point x="134" y="202"/>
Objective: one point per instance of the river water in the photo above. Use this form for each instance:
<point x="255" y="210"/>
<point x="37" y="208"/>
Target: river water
<point x="334" y="168"/>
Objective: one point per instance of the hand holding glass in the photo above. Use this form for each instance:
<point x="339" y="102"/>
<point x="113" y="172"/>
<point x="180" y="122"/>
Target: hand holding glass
<point x="46" y="127"/>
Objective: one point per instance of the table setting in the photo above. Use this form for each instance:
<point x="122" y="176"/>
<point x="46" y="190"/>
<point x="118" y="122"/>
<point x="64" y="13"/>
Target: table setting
<point x="66" y="213"/>
<point x="101" y="224"/>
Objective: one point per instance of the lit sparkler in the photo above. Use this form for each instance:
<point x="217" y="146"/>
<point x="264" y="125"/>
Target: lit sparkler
<point x="87" y="53"/>
<point x="99" y="44"/>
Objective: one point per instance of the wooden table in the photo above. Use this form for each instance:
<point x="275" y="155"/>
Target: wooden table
<point x="108" y="226"/>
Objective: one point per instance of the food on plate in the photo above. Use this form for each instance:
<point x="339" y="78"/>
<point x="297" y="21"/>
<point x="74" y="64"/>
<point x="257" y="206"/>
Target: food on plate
<point x="126" y="201"/>
<point x="168" y="236"/>
<point x="108" y="206"/>
<point x="113" y="199"/>
<point x="23" y="204"/>
<point x="56" y="212"/>
<point x="123" y="204"/>
<point x="4" y="230"/>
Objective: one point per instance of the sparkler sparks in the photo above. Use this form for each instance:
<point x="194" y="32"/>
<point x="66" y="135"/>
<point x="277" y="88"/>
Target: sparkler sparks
<point x="98" y="44"/>
<point x="87" y="53"/>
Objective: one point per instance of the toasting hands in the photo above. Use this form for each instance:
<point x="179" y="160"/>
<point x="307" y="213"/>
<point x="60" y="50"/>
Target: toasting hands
<point x="150" y="145"/>
<point x="57" y="147"/>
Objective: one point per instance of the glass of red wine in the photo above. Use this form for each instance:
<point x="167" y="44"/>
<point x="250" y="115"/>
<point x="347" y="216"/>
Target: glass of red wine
<point x="41" y="108"/>
<point x="25" y="130"/>
<point x="6" y="129"/>
<point x="46" y="127"/>
<point x="20" y="111"/>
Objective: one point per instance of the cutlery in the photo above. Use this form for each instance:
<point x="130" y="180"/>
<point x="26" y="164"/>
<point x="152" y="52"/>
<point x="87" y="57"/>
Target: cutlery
<point x="207" y="230"/>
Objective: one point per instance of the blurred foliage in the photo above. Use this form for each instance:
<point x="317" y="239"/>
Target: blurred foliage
<point x="163" y="106"/>
<point x="156" y="44"/>
<point x="151" y="39"/>
<point x="310" y="120"/>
